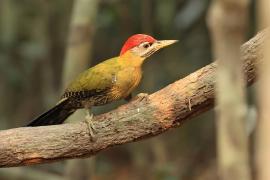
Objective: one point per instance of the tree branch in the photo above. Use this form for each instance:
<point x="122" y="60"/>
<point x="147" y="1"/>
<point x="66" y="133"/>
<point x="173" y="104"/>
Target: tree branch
<point x="139" y="119"/>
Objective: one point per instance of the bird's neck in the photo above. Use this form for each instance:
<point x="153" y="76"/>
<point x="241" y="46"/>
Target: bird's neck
<point x="131" y="59"/>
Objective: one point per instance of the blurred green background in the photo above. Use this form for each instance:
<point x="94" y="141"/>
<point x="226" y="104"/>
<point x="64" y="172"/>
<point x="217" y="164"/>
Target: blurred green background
<point x="33" y="41"/>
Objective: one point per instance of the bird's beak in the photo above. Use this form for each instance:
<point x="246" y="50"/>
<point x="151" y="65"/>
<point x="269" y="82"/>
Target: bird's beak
<point x="163" y="43"/>
<point x="157" y="45"/>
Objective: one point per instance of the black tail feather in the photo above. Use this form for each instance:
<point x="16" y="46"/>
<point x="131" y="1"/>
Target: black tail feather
<point x="57" y="115"/>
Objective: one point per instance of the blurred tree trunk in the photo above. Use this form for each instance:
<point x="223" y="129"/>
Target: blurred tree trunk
<point x="26" y="87"/>
<point x="78" y="56"/>
<point x="24" y="50"/>
<point x="263" y="128"/>
<point x="80" y="39"/>
<point x="228" y="22"/>
<point x="8" y="35"/>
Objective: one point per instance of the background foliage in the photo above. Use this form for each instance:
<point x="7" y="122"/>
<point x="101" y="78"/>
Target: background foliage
<point x="33" y="40"/>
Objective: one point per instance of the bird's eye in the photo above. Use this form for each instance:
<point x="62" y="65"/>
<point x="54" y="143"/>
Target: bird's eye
<point x="146" y="46"/>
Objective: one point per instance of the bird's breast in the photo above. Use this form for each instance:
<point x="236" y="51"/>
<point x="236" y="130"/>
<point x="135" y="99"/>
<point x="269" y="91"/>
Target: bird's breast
<point x="126" y="81"/>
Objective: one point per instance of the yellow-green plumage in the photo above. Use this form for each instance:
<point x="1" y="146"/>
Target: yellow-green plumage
<point x="108" y="81"/>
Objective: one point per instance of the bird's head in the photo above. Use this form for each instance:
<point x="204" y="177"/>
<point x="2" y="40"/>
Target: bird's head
<point x="143" y="45"/>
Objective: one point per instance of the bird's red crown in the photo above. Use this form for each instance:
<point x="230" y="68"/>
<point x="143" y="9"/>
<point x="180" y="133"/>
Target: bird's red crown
<point x="135" y="40"/>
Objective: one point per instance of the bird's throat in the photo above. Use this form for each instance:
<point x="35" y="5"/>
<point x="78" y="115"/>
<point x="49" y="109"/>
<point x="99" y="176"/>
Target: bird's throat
<point x="132" y="59"/>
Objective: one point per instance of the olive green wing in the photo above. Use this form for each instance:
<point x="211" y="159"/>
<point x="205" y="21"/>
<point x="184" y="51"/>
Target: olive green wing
<point x="96" y="81"/>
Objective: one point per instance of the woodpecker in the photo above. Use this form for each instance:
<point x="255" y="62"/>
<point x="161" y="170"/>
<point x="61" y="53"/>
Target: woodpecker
<point x="111" y="80"/>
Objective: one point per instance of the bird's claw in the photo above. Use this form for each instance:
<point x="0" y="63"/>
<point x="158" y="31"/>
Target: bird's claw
<point x="91" y="127"/>
<point x="141" y="96"/>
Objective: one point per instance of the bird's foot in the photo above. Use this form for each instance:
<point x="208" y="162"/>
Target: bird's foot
<point x="91" y="127"/>
<point x="141" y="96"/>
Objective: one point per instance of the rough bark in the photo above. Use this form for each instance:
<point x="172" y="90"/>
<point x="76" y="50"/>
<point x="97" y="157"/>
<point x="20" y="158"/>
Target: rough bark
<point x="137" y="120"/>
